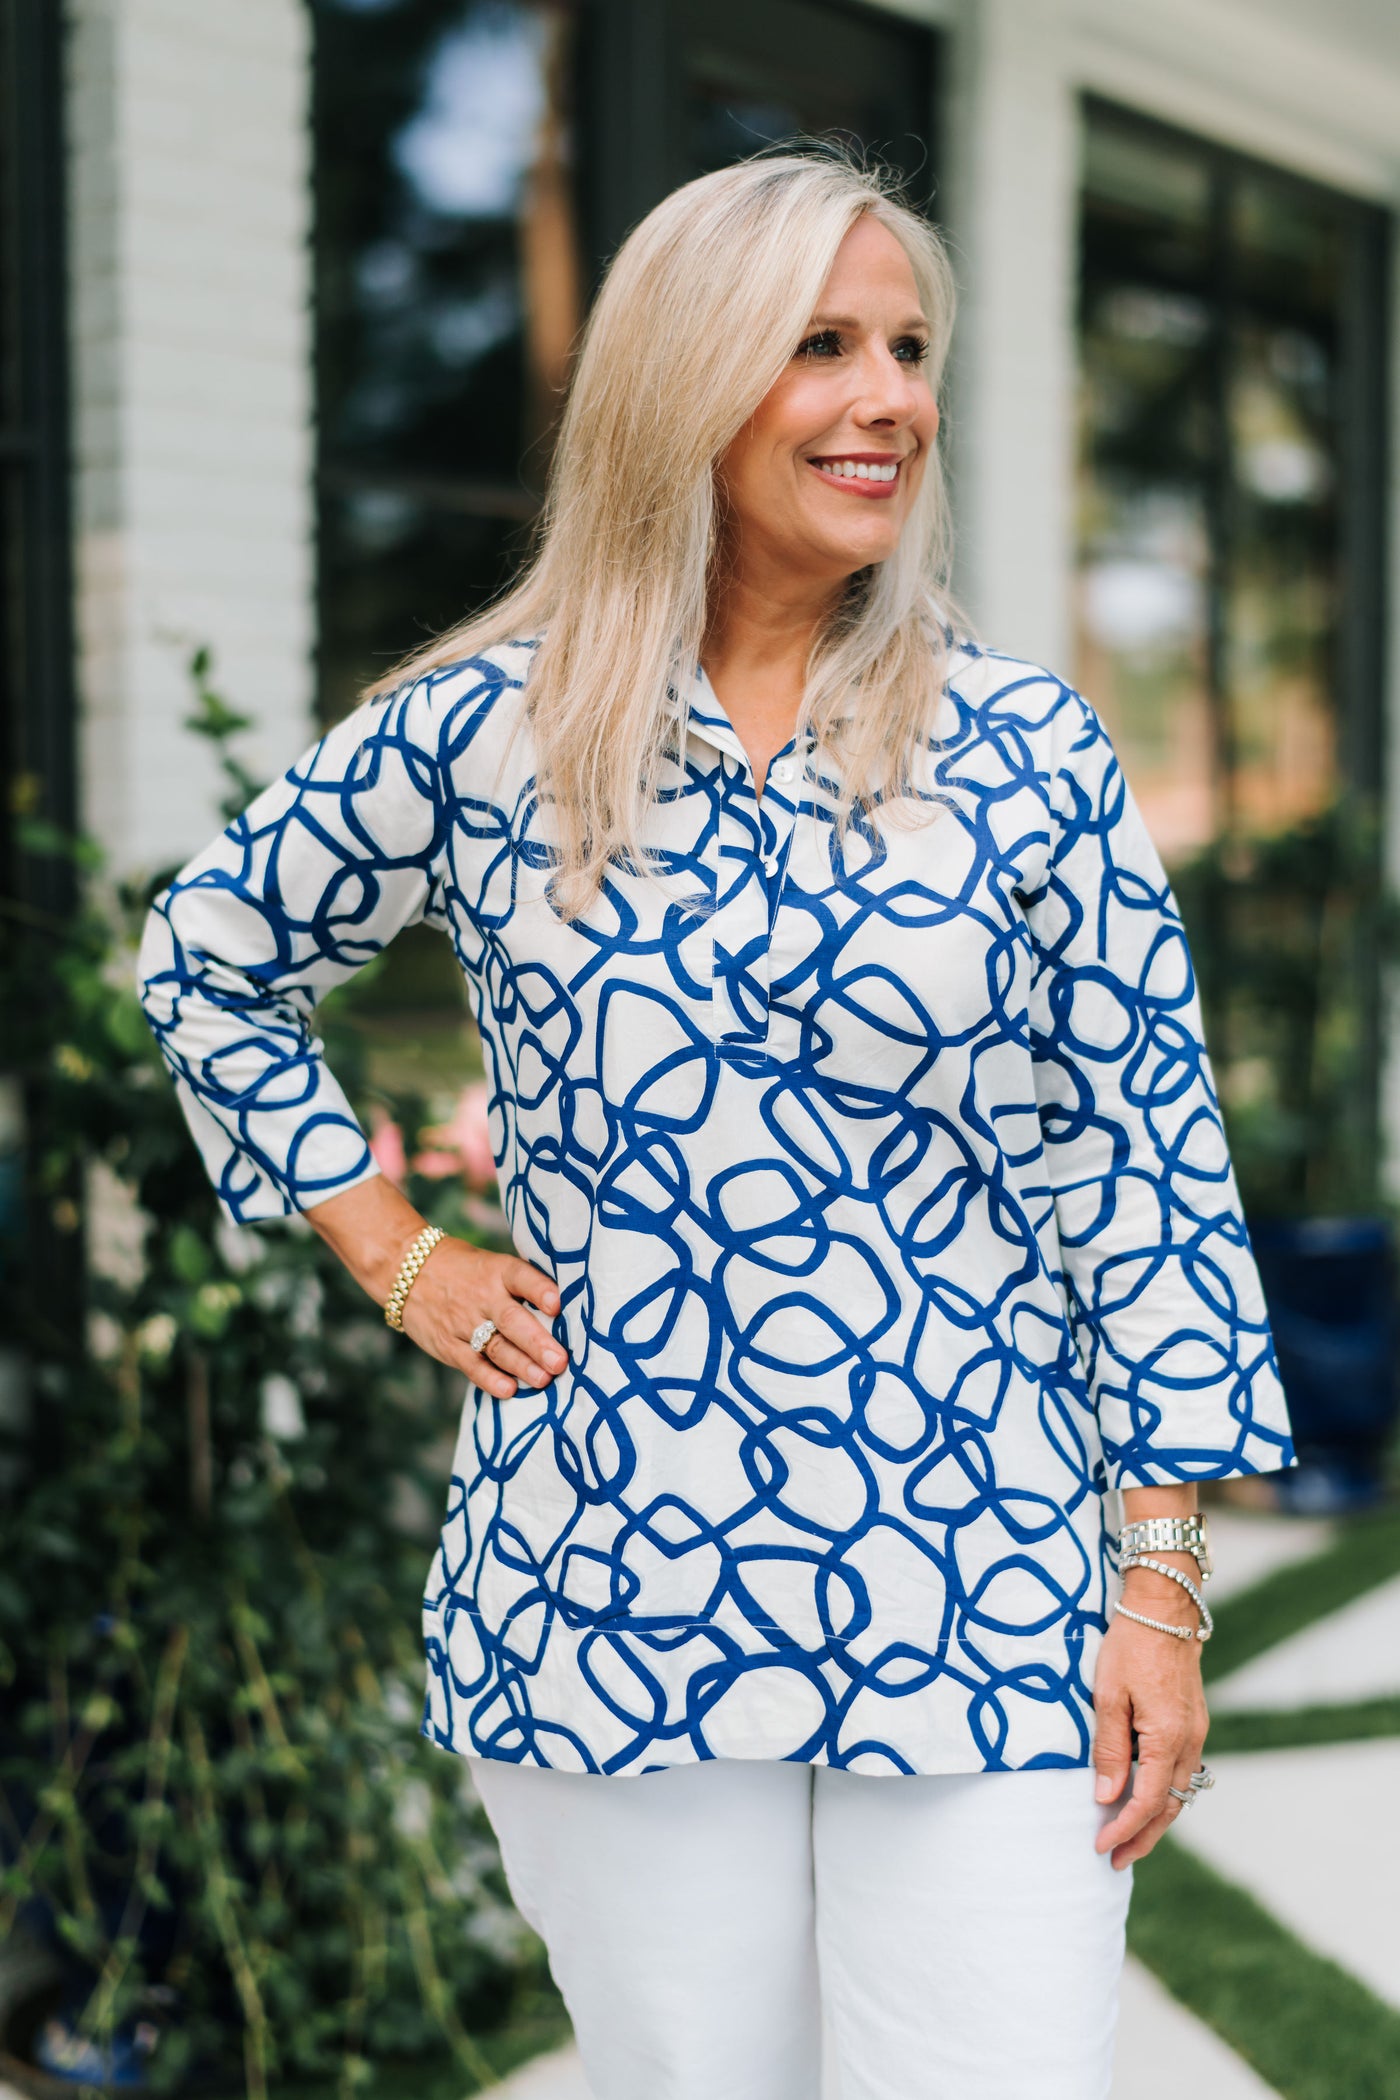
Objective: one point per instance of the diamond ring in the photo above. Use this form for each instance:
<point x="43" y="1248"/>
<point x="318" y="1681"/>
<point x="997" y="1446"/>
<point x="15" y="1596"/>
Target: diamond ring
<point x="481" y="1336"/>
<point x="1200" y="1779"/>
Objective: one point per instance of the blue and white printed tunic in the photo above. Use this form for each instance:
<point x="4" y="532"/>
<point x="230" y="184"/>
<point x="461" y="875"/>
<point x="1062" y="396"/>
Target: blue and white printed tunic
<point x="885" y="1189"/>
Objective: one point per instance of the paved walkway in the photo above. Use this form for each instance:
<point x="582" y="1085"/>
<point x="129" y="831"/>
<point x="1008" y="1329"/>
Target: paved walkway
<point x="1247" y="1545"/>
<point x="1314" y="1835"/>
<point x="1352" y="1654"/>
<point x="1165" y="2053"/>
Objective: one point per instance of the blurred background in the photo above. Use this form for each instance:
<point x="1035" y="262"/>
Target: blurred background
<point x="288" y="290"/>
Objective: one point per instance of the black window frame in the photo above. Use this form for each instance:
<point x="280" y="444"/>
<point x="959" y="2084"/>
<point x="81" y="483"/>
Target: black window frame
<point x="631" y="86"/>
<point x="38" y="710"/>
<point x="38" y="704"/>
<point x="1365" y="463"/>
<point x="1364" y="756"/>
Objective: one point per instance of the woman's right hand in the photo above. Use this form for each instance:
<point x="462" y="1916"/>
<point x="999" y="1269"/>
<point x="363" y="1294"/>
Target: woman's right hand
<point x="457" y="1288"/>
<point x="373" y="1225"/>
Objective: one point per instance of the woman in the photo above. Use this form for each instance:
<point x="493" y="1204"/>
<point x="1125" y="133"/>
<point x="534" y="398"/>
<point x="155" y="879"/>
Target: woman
<point x="872" y="1204"/>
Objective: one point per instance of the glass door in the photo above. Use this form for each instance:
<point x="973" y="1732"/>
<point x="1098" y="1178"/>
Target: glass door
<point x="1231" y="455"/>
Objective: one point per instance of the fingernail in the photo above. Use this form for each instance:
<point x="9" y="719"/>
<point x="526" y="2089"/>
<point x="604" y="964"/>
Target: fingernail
<point x="558" y="1359"/>
<point x="1105" y="1787"/>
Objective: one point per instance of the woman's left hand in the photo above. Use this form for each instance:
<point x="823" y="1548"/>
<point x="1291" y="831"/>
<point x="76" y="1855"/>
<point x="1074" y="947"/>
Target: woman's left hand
<point x="1149" y="1683"/>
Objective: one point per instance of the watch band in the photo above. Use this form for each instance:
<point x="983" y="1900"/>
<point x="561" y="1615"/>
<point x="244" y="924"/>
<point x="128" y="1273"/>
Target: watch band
<point x="419" y="1248"/>
<point x="1169" y="1535"/>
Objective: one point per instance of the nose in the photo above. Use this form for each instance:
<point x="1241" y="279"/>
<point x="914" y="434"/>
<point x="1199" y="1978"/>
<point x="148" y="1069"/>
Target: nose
<point x="890" y="390"/>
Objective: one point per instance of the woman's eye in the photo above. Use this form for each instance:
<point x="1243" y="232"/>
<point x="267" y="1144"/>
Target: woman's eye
<point x="826" y="343"/>
<point x="911" y="350"/>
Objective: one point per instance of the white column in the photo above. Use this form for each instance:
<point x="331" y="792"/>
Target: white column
<point x="1013" y="208"/>
<point x="189" y="153"/>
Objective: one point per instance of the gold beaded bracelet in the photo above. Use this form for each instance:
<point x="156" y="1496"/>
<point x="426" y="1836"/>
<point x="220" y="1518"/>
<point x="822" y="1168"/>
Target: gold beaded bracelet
<point x="419" y="1249"/>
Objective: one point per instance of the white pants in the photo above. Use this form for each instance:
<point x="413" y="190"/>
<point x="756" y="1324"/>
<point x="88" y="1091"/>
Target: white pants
<point x="959" y="1938"/>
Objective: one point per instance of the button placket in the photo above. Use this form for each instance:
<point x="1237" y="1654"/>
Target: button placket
<point x="747" y="853"/>
<point x="754" y="840"/>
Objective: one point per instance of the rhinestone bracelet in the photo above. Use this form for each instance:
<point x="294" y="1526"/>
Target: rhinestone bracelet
<point x="1182" y="1633"/>
<point x="419" y="1248"/>
<point x="1178" y="1633"/>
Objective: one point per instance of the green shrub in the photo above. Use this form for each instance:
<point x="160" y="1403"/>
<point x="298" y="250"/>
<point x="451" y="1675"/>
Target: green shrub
<point x="217" y="1525"/>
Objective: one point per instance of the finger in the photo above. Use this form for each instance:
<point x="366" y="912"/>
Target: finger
<point x="1139" y="1846"/>
<point x="484" y="1373"/>
<point x="1113" y="1747"/>
<point x="438" y="1340"/>
<point x="525" y="1281"/>
<point x="520" y="1334"/>
<point x="507" y="1356"/>
<point x="1126" y="1855"/>
<point x="1146" y="1802"/>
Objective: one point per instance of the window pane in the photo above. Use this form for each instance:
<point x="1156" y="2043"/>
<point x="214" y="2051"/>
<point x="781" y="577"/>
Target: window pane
<point x="1286" y="234"/>
<point x="1282" y="584"/>
<point x="1149" y="201"/>
<point x="448" y="297"/>
<point x="1142" y="600"/>
<point x="758" y="73"/>
<point x="1220" y="342"/>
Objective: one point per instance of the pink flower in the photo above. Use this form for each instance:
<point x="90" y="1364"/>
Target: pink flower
<point x="386" y="1146"/>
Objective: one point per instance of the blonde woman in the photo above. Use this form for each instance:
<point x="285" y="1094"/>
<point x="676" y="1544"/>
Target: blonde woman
<point x="873" y="1213"/>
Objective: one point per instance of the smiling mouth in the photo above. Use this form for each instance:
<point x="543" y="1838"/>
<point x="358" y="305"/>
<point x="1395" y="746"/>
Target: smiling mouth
<point x="868" y="476"/>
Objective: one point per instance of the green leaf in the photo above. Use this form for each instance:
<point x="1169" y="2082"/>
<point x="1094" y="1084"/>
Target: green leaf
<point x="189" y="1255"/>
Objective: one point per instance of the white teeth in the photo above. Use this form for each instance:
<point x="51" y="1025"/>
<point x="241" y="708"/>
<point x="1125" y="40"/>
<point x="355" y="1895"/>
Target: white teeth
<point x="858" y="470"/>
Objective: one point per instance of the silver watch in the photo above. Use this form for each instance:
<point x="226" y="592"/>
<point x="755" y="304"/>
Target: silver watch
<point x="1169" y="1535"/>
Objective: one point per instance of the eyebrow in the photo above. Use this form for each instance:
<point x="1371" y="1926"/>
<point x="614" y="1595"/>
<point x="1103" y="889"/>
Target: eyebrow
<point x="852" y="326"/>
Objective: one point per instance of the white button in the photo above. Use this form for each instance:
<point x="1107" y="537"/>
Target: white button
<point x="782" y="770"/>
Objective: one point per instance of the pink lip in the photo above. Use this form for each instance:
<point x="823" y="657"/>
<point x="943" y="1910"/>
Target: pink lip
<point x="877" y="489"/>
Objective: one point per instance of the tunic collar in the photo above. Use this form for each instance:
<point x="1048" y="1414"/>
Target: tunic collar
<point x="695" y="700"/>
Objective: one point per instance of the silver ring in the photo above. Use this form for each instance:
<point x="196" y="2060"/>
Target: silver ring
<point x="1201" y="1779"/>
<point x="1182" y="1793"/>
<point x="481" y="1336"/>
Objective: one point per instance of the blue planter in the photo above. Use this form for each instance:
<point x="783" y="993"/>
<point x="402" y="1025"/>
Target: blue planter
<point x="1330" y="1285"/>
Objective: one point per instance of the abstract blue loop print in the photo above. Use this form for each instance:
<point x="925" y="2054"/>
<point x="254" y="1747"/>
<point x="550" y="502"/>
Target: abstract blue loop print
<point x="883" y="1181"/>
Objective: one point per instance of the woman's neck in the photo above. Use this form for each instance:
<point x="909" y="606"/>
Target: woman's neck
<point x="756" y="654"/>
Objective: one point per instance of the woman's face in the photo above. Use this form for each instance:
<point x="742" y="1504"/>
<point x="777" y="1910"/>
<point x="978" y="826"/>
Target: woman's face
<point x="820" y="481"/>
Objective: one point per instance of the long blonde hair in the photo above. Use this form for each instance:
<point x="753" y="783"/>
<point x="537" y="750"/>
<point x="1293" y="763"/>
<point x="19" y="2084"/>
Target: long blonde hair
<point x="703" y="306"/>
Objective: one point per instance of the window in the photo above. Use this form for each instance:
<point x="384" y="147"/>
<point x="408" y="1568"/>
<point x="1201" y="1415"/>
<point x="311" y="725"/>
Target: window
<point x="1229" y="608"/>
<point x="36" y="667"/>
<point x="476" y="162"/>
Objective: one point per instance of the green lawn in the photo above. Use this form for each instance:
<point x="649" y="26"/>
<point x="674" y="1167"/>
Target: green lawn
<point x="1312" y="2031"/>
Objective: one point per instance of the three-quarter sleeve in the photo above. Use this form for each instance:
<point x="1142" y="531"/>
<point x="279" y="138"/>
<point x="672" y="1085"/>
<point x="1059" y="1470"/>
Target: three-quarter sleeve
<point x="1164" y="1293"/>
<point x="299" y="892"/>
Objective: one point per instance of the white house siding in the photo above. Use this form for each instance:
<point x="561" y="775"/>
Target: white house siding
<point x="1012" y="126"/>
<point x="189" y="152"/>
